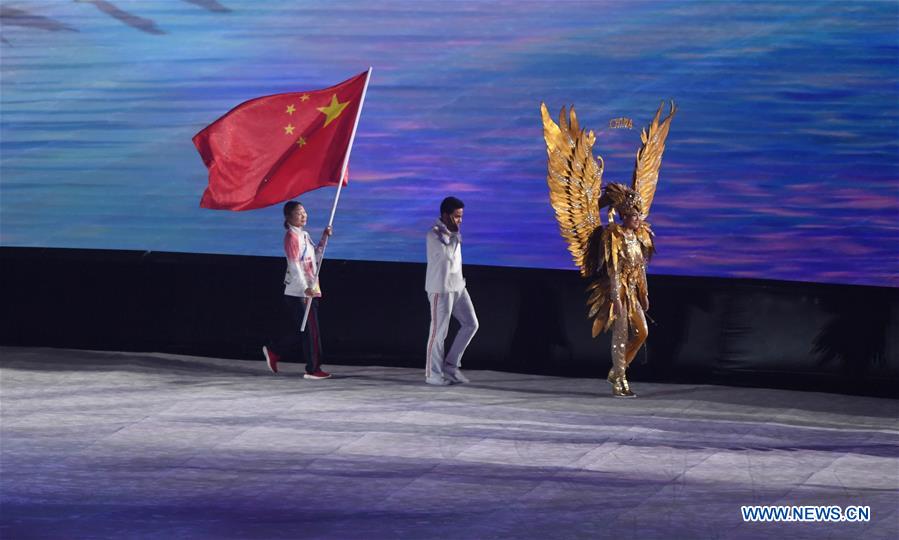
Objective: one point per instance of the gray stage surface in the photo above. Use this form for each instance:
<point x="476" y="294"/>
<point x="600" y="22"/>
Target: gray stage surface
<point x="125" y="445"/>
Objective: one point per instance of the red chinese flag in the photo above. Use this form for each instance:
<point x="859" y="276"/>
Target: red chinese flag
<point x="271" y="149"/>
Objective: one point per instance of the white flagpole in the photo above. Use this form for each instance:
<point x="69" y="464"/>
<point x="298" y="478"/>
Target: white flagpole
<point x="346" y="163"/>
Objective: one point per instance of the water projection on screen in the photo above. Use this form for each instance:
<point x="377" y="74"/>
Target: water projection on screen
<point x="781" y="164"/>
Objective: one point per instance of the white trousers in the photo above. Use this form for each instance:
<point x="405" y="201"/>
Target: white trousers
<point x="443" y="305"/>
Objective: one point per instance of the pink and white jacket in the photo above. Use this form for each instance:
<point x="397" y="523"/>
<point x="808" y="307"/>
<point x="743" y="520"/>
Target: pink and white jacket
<point x="303" y="258"/>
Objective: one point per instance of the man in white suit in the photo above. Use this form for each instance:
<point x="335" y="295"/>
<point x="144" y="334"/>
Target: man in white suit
<point x="448" y="297"/>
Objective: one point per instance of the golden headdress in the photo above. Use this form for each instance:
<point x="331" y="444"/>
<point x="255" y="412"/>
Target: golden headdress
<point x="621" y="199"/>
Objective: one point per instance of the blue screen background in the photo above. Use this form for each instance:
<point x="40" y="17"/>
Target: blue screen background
<point x="782" y="163"/>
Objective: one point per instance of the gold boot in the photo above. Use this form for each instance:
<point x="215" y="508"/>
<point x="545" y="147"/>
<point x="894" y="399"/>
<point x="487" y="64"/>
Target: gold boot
<point x="626" y="389"/>
<point x="620" y="388"/>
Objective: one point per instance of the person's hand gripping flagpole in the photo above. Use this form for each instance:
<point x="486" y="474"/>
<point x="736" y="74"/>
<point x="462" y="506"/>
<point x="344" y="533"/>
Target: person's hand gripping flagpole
<point x="346" y="162"/>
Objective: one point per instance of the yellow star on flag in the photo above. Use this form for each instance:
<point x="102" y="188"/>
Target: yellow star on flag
<point x="290" y="109"/>
<point x="333" y="109"/>
<point x="288" y="129"/>
<point x="304" y="97"/>
<point x="301" y="142"/>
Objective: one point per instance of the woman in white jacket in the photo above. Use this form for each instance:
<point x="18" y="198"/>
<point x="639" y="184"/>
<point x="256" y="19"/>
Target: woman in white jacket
<point x="300" y="286"/>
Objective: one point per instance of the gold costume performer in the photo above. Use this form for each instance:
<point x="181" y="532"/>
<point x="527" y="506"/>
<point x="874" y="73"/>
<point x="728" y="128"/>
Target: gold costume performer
<point x="614" y="256"/>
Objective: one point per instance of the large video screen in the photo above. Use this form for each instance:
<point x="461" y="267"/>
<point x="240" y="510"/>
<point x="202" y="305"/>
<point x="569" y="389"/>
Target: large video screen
<point x="782" y="161"/>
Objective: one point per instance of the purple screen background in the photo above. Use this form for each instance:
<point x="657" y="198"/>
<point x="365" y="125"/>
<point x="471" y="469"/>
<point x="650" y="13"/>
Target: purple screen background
<point x="781" y="163"/>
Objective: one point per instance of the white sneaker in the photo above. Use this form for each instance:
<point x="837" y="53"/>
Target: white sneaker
<point x="457" y="377"/>
<point x="437" y="381"/>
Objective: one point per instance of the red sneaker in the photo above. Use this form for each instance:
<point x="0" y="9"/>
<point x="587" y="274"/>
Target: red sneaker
<point x="271" y="359"/>
<point x="317" y="375"/>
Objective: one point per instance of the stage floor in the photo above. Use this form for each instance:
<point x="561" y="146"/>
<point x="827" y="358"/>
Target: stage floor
<point x="129" y="445"/>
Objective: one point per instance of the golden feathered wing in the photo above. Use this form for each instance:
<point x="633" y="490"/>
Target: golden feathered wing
<point x="574" y="179"/>
<point x="649" y="157"/>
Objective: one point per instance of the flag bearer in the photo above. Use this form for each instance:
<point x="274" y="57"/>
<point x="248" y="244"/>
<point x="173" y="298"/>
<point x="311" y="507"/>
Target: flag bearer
<point x="300" y="286"/>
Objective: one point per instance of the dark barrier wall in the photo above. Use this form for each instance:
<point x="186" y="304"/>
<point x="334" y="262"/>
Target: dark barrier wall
<point x="781" y="334"/>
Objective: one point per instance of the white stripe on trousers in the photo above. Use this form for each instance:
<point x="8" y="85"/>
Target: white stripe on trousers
<point x="443" y="305"/>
